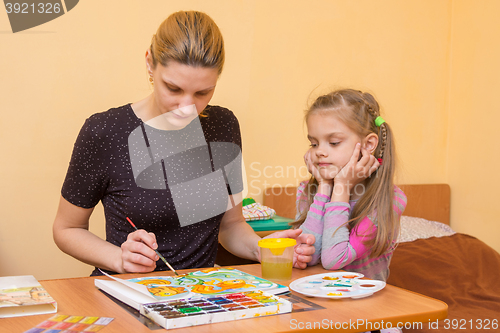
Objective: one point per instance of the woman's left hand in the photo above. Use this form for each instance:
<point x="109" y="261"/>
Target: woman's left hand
<point x="304" y="249"/>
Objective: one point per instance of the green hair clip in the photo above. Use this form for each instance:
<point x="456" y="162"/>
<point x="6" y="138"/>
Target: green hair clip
<point x="379" y="121"/>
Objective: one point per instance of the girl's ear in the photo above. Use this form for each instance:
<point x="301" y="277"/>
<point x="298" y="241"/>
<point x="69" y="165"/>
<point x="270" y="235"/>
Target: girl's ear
<point x="370" y="142"/>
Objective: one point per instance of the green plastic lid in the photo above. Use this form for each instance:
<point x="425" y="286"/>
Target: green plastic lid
<point x="277" y="245"/>
<point x="248" y="201"/>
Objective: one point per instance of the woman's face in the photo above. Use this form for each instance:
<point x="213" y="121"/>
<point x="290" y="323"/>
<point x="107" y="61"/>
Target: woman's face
<point x="183" y="89"/>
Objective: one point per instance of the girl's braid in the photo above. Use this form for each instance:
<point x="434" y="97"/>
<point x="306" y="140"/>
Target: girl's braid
<point x="382" y="129"/>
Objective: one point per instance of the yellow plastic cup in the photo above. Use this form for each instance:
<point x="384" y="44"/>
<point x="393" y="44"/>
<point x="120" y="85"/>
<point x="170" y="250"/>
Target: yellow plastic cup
<point x="276" y="258"/>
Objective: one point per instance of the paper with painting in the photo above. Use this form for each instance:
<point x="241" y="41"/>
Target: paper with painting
<point x="24" y="295"/>
<point x="207" y="282"/>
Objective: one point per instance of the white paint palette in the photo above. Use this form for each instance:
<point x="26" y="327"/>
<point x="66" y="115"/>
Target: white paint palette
<point x="337" y="285"/>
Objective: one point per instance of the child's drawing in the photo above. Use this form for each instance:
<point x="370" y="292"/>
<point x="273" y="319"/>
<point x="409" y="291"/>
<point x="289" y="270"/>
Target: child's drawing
<point x="211" y="281"/>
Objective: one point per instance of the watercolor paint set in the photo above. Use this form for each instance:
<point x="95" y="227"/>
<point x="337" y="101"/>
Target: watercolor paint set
<point x="215" y="309"/>
<point x="337" y="285"/>
<point x="70" y="324"/>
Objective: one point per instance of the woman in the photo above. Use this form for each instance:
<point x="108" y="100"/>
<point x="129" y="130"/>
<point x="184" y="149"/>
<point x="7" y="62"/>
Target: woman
<point x="110" y="164"/>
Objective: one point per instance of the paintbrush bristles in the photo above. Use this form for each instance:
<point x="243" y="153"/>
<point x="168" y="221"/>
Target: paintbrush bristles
<point x="166" y="262"/>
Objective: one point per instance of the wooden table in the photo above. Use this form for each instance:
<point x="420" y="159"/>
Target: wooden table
<point x="392" y="305"/>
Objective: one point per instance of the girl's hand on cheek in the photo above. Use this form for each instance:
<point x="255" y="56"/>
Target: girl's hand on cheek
<point x="308" y="162"/>
<point x="325" y="185"/>
<point x="313" y="170"/>
<point x="357" y="169"/>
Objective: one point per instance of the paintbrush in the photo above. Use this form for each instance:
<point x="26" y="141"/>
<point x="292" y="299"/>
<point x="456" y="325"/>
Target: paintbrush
<point x="158" y="253"/>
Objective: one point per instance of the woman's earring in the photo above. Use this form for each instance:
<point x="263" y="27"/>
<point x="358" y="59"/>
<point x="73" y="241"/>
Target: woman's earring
<point x="151" y="79"/>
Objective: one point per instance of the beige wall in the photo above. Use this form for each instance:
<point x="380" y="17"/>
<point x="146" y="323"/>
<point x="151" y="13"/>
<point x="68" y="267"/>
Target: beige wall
<point x="474" y="115"/>
<point x="431" y="64"/>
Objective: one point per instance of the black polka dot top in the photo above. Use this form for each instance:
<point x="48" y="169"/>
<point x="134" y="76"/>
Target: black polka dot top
<point x="172" y="183"/>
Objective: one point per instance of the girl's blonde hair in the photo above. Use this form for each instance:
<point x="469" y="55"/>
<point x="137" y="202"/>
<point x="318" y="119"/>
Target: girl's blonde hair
<point x="190" y="38"/>
<point x="358" y="111"/>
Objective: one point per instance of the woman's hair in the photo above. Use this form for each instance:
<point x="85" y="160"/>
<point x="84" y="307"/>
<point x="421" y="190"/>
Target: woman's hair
<point x="190" y="38"/>
<point x="358" y="111"/>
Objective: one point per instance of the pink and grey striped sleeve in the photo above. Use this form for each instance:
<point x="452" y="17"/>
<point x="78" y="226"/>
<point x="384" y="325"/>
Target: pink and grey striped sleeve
<point x="314" y="221"/>
<point x="341" y="247"/>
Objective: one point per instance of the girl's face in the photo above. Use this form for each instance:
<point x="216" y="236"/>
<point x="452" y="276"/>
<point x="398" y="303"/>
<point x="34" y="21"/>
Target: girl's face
<point x="182" y="89"/>
<point x="332" y="143"/>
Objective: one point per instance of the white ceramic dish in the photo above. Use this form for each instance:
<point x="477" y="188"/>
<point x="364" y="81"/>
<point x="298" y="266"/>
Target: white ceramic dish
<point x="337" y="285"/>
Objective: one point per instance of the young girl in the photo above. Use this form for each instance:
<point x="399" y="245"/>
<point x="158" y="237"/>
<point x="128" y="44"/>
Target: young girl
<point x="350" y="204"/>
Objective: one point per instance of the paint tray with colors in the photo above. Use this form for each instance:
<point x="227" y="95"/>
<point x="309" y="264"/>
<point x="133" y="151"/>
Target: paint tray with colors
<point x="215" y="309"/>
<point x="337" y="285"/>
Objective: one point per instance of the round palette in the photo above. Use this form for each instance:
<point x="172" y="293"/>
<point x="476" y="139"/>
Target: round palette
<point x="336" y="285"/>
